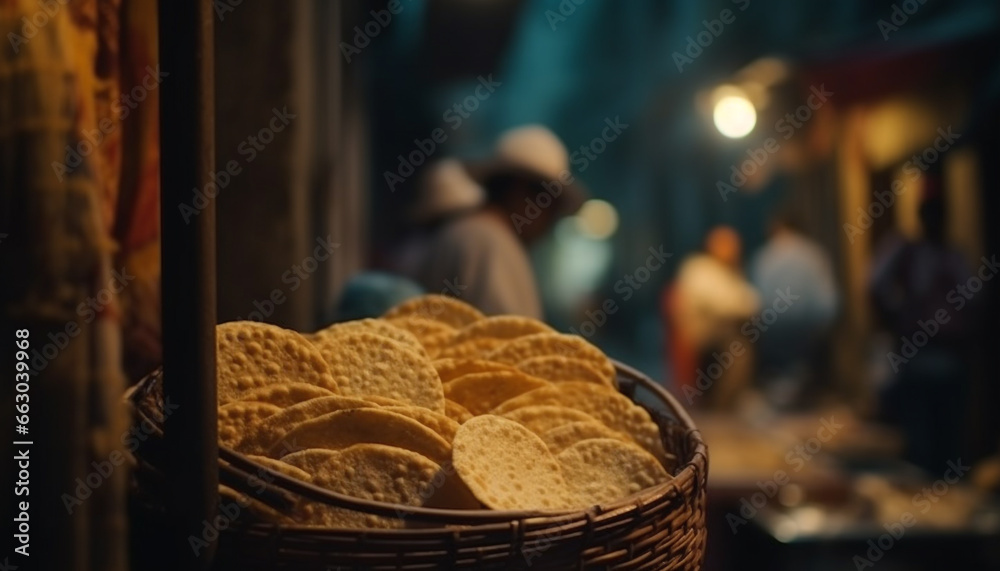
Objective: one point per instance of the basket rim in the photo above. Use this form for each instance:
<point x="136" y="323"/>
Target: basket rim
<point x="695" y="468"/>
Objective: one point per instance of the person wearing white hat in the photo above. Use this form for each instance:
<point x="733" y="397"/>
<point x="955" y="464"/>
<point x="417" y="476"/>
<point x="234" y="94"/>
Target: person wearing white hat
<point x="485" y="215"/>
<point x="445" y="190"/>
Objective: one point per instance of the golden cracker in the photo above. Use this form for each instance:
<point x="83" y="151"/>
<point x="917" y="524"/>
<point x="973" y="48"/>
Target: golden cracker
<point x="480" y="393"/>
<point x="439" y="423"/>
<point x="265" y="435"/>
<point x="605" y="404"/>
<point x="441" y="308"/>
<point x="250" y="355"/>
<point x="542" y="418"/>
<point x="235" y="417"/>
<point x="604" y="470"/>
<point x="504" y="327"/>
<point x="366" y="471"/>
<point x="345" y="428"/>
<point x="558" y="368"/>
<point x="523" y="348"/>
<point x="449" y="369"/>
<point x="365" y="364"/>
<point x="376" y="326"/>
<point x="508" y="467"/>
<point x="285" y="395"/>
<point x="562" y="437"/>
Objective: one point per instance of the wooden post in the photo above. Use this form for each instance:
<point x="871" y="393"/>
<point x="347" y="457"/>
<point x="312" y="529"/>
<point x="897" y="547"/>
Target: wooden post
<point x="187" y="150"/>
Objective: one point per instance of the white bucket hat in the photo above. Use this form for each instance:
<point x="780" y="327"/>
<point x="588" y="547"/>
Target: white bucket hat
<point x="446" y="188"/>
<point x="536" y="154"/>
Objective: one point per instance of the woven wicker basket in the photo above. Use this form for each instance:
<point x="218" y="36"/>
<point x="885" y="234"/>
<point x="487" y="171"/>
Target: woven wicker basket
<point x="660" y="528"/>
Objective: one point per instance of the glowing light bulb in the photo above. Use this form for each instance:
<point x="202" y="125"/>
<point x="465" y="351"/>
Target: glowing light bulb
<point x="734" y="116"/>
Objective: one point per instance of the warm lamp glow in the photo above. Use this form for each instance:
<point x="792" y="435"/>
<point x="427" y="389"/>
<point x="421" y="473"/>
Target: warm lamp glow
<point x="734" y="116"/>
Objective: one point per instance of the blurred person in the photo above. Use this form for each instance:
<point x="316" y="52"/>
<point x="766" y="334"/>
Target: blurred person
<point x="445" y="192"/>
<point x="704" y="308"/>
<point x="927" y="397"/>
<point x="790" y="353"/>
<point x="482" y="219"/>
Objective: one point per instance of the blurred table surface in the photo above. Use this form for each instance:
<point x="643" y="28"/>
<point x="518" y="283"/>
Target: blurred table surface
<point x="745" y="455"/>
<point x="844" y="485"/>
<point x="825" y="494"/>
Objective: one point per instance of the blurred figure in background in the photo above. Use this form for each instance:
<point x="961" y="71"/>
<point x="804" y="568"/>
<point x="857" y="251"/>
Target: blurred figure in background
<point x="927" y="397"/>
<point x="446" y="192"/>
<point x="704" y="309"/>
<point x="480" y="228"/>
<point x="790" y="354"/>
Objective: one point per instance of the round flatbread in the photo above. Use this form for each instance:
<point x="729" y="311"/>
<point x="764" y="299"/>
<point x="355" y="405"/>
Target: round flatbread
<point x="540" y="344"/>
<point x="508" y="467"/>
<point x="439" y="423"/>
<point x="562" y="437"/>
<point x="542" y="418"/>
<point x="384" y="401"/>
<point x="280" y="467"/>
<point x="285" y="395"/>
<point x="471" y="349"/>
<point x="270" y="433"/>
<point x="502" y="327"/>
<point x="441" y="308"/>
<point x="480" y="393"/>
<point x="604" y="470"/>
<point x="605" y="404"/>
<point x="449" y="369"/>
<point x="378" y="327"/>
<point x="250" y="355"/>
<point x="427" y="331"/>
<point x="235" y="417"/>
<point x="366" y="364"/>
<point x="558" y="369"/>
<point x="345" y="428"/>
<point x="367" y="471"/>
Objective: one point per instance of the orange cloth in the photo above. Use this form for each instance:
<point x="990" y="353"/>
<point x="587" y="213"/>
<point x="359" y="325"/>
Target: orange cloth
<point x="136" y="225"/>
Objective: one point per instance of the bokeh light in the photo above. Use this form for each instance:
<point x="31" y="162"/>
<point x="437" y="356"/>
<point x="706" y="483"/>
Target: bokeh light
<point x="597" y="219"/>
<point x="734" y="116"/>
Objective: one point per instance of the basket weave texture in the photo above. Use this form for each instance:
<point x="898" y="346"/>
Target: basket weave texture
<point x="660" y="528"/>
